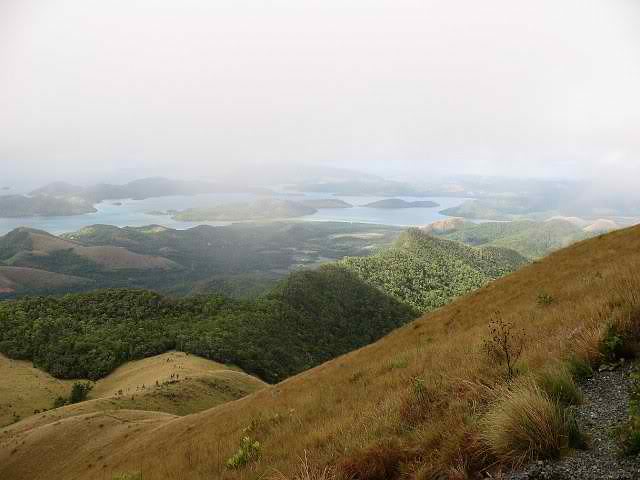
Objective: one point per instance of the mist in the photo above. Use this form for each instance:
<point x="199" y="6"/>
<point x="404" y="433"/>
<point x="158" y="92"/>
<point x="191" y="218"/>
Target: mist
<point x="93" y="90"/>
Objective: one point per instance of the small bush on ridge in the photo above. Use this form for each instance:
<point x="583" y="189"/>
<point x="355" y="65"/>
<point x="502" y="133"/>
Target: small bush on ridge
<point x="249" y="450"/>
<point x="504" y="344"/>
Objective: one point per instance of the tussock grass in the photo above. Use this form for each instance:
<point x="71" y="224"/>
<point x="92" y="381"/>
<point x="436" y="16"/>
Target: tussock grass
<point x="559" y="385"/>
<point x="524" y="424"/>
<point x="341" y="411"/>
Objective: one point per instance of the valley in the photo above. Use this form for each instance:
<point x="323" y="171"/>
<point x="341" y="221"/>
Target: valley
<point x="364" y="401"/>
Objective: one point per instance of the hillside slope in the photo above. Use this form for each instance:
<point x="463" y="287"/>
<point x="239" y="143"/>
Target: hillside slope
<point x="26" y="247"/>
<point x="427" y="272"/>
<point x="239" y="260"/>
<point x="362" y="402"/>
<point x="173" y="382"/>
<point x="529" y="238"/>
<point x="23" y="280"/>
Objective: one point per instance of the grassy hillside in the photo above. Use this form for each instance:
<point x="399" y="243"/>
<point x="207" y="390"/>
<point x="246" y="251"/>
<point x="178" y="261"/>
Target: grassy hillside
<point x="25" y="389"/>
<point x="411" y="405"/>
<point x="36" y="249"/>
<point x="242" y="260"/>
<point x="173" y="382"/>
<point x="17" y="280"/>
<point x="426" y="272"/>
<point x="529" y="238"/>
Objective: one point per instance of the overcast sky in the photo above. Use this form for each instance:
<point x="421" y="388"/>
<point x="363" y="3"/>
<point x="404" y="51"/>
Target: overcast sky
<point x="95" y="88"/>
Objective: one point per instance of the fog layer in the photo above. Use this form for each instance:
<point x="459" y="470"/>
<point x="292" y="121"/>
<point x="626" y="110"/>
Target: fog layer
<point x="95" y="89"/>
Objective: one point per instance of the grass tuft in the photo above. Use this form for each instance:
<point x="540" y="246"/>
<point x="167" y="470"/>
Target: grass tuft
<point x="380" y="462"/>
<point x="525" y="424"/>
<point x="579" y="369"/>
<point x="558" y="383"/>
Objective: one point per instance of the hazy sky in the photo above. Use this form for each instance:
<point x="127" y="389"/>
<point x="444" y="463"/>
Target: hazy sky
<point x="122" y="87"/>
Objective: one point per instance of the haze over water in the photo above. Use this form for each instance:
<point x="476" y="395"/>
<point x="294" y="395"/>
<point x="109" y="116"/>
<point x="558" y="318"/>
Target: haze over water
<point x="135" y="213"/>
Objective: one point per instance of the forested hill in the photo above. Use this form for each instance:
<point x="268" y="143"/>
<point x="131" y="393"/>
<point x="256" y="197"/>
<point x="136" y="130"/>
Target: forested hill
<point x="311" y="317"/>
<point x="427" y="272"/>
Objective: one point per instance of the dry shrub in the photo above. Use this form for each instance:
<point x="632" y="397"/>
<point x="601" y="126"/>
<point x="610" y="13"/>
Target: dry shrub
<point x="380" y="462"/>
<point x="524" y="424"/>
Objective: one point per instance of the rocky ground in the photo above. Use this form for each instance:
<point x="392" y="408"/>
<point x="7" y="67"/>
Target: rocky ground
<point x="605" y="407"/>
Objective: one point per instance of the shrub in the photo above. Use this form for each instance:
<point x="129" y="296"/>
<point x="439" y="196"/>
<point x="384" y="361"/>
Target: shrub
<point x="504" y="344"/>
<point x="60" y="402"/>
<point x="400" y="362"/>
<point x="579" y="369"/>
<point x="249" y="450"/>
<point x="80" y="391"/>
<point x="128" y="476"/>
<point x="629" y="433"/>
<point x="525" y="424"/>
<point x="558" y="384"/>
<point x="612" y="344"/>
<point x="544" y="299"/>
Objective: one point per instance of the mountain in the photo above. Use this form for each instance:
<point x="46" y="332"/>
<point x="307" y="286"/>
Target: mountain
<point x="137" y="189"/>
<point x="263" y="209"/>
<point x="601" y="226"/>
<point x="485" y="209"/>
<point x="241" y="260"/>
<point x="415" y="404"/>
<point x="37" y="249"/>
<point x="14" y="206"/>
<point x="529" y="238"/>
<point x="310" y="317"/>
<point x="427" y="272"/>
<point x="393" y="203"/>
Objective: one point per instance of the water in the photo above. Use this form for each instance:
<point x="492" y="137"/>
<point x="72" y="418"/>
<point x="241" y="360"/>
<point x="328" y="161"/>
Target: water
<point x="135" y="213"/>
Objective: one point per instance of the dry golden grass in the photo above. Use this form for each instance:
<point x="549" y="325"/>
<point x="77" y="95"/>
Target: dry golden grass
<point x="524" y="424"/>
<point x="24" y="389"/>
<point x="174" y="382"/>
<point x="348" y="407"/>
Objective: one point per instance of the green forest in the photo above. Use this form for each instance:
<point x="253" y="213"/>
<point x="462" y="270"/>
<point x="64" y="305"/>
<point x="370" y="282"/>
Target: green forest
<point x="426" y="272"/>
<point x="309" y="318"/>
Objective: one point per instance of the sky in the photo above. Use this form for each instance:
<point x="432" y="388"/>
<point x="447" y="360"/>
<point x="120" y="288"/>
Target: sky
<point x="106" y="90"/>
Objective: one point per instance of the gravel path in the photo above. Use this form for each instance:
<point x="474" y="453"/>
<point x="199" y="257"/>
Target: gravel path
<point x="606" y="406"/>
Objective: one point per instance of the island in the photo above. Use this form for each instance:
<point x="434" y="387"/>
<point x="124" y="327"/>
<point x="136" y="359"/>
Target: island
<point x="326" y="203"/>
<point x="263" y="209"/>
<point x="16" y="206"/>
<point x="393" y="203"/>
